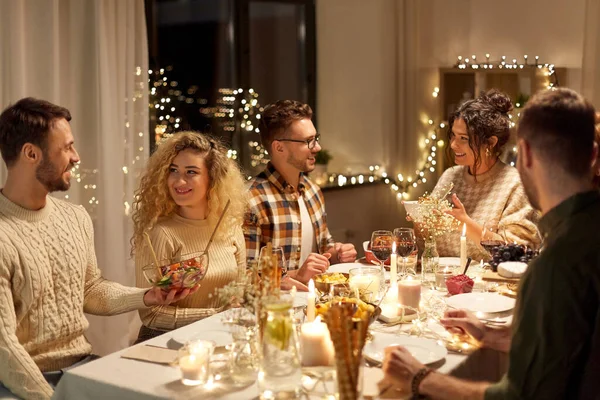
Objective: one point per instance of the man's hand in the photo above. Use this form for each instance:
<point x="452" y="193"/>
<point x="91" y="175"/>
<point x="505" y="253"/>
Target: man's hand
<point x="314" y="264"/>
<point x="345" y="252"/>
<point x="461" y="322"/>
<point x="288" y="283"/>
<point x="493" y="337"/>
<point x="158" y="297"/>
<point x="399" y="366"/>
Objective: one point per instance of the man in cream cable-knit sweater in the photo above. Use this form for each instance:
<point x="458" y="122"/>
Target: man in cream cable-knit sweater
<point x="48" y="271"/>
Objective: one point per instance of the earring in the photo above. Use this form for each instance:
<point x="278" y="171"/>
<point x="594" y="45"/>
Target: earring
<point x="488" y="152"/>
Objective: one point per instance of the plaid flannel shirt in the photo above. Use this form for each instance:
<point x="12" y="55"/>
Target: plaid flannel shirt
<point x="274" y="216"/>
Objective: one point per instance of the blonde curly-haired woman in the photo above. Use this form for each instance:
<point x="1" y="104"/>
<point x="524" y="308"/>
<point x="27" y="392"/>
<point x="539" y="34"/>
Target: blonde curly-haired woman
<point x="187" y="182"/>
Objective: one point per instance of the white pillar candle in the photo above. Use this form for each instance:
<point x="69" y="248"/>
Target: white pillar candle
<point x="463" y="247"/>
<point x="317" y="347"/>
<point x="394" y="266"/>
<point x="310" y="308"/>
<point x="409" y="292"/>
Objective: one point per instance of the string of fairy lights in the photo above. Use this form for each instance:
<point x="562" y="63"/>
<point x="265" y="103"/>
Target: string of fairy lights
<point x="474" y="64"/>
<point x="238" y="110"/>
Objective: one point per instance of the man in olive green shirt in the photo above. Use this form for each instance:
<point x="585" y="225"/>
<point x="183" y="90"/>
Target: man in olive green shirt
<point x="554" y="346"/>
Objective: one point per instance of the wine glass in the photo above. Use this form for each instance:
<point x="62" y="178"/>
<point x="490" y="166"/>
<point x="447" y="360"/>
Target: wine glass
<point x="381" y="247"/>
<point x="278" y="252"/>
<point x="492" y="235"/>
<point x="405" y="244"/>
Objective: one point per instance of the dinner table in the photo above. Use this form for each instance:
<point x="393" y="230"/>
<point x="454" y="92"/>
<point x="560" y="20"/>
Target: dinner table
<point x="114" y="376"/>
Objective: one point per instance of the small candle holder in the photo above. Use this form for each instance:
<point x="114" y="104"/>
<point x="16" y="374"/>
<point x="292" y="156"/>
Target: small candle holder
<point x="442" y="274"/>
<point x="366" y="279"/>
<point x="194" y="361"/>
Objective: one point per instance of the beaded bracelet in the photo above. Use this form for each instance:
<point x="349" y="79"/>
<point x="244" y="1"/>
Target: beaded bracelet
<point x="416" y="381"/>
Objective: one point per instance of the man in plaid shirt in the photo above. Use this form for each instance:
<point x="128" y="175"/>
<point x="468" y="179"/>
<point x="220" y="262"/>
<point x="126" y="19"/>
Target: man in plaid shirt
<point x="286" y="208"/>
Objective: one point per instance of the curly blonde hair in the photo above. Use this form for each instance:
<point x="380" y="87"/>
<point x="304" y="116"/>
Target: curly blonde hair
<point x="153" y="200"/>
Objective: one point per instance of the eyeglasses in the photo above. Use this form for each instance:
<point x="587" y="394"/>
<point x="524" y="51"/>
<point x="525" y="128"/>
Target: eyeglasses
<point x="311" y="143"/>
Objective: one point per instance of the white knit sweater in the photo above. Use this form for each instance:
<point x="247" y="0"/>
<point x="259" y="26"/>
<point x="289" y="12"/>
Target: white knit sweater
<point x="176" y="235"/>
<point x="48" y="279"/>
<point x="496" y="194"/>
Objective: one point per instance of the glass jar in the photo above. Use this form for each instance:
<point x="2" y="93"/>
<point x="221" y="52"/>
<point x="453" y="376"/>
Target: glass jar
<point x="366" y="280"/>
<point x="244" y="360"/>
<point x="430" y="259"/>
<point x="280" y="372"/>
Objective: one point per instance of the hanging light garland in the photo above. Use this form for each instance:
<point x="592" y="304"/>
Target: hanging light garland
<point x="547" y="70"/>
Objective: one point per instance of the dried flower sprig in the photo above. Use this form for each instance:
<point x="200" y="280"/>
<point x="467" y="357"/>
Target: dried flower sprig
<point x="435" y="220"/>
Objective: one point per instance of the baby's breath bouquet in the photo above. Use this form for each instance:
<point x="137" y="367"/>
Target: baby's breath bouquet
<point x="241" y="296"/>
<point x="248" y="294"/>
<point x="434" y="220"/>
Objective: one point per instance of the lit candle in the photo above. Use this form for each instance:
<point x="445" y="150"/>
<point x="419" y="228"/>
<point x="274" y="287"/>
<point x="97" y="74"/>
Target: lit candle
<point x="194" y="362"/>
<point x="193" y="369"/>
<point x="463" y="247"/>
<point x="310" y="308"/>
<point x="409" y="292"/>
<point x="366" y="283"/>
<point x="394" y="266"/>
<point x="316" y="345"/>
<point x="441" y="276"/>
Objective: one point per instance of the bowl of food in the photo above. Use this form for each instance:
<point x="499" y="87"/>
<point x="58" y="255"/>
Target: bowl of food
<point x="459" y="284"/>
<point x="181" y="273"/>
<point x="324" y="281"/>
<point x="360" y="307"/>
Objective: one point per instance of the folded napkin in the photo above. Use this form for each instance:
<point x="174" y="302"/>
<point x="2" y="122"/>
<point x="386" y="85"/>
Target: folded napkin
<point x="153" y="354"/>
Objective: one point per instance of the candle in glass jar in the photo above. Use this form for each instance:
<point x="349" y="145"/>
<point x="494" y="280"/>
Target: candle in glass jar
<point x="409" y="292"/>
<point x="463" y="247"/>
<point x="193" y="369"/>
<point x="366" y="283"/>
<point x="316" y="345"/>
<point x="441" y="275"/>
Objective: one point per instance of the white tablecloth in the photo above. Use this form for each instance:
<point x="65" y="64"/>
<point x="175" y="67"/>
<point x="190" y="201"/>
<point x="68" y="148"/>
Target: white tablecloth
<point x="119" y="378"/>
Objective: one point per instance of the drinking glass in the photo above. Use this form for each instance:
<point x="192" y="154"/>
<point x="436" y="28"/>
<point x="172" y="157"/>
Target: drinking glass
<point x="405" y="244"/>
<point x="381" y="247"/>
<point x="281" y="262"/>
<point x="492" y="235"/>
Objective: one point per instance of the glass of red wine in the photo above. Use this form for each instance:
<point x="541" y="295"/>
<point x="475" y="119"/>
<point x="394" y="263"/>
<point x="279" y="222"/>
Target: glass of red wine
<point x="381" y="247"/>
<point x="492" y="235"/>
<point x="406" y="243"/>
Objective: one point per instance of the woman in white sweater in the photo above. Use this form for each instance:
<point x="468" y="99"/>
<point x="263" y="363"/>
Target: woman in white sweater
<point x="484" y="187"/>
<point x="187" y="183"/>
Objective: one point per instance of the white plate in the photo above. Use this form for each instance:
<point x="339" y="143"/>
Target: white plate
<point x="427" y="351"/>
<point x="346" y="267"/>
<point x="453" y="261"/>
<point x="484" y="302"/>
<point x="220" y="337"/>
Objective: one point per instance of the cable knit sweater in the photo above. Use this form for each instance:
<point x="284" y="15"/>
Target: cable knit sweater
<point x="48" y="279"/>
<point x="176" y="235"/>
<point x="498" y="194"/>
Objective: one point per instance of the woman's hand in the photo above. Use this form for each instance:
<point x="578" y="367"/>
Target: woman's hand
<point x="458" y="211"/>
